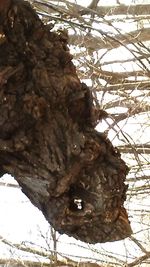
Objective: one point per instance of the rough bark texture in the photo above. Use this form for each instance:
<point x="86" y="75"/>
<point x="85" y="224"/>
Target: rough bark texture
<point x="71" y="172"/>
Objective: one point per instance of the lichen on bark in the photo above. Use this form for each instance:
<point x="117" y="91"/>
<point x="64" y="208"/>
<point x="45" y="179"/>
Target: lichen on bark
<point x="71" y="172"/>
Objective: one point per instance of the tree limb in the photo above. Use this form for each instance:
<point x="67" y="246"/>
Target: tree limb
<point x="138" y="260"/>
<point x="96" y="43"/>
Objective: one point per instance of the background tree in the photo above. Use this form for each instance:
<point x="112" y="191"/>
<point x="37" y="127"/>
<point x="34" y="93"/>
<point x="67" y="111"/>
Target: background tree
<point x="111" y="47"/>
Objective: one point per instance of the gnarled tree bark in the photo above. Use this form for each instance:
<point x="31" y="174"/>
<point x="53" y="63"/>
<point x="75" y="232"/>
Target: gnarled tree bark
<point x="71" y="172"/>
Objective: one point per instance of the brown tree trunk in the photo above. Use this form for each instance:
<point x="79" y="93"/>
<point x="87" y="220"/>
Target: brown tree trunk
<point x="71" y="172"/>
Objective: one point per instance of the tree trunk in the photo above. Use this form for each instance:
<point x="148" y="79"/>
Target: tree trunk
<point x="71" y="172"/>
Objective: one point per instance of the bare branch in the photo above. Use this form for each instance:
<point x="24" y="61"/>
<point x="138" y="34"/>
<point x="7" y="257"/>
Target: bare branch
<point x="96" y="43"/>
<point x="139" y="260"/>
<point x="132" y="10"/>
